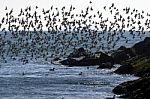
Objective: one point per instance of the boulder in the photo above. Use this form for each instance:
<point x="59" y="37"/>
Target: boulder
<point x="123" y="55"/>
<point x="121" y="48"/>
<point x="121" y="88"/>
<point x="105" y="65"/>
<point x="140" y="88"/>
<point x="104" y="58"/>
<point x="125" y="69"/>
<point x="144" y="72"/>
<point x="78" y="53"/>
<point x="136" y="89"/>
<point x="69" y="62"/>
<point x="119" y="56"/>
<point x="56" y="59"/>
<point x="89" y="60"/>
<point x="142" y="47"/>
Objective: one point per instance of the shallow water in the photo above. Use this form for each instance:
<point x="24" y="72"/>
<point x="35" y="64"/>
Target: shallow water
<point x="35" y="81"/>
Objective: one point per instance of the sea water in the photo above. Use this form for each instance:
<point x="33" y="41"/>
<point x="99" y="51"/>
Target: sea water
<point x="35" y="80"/>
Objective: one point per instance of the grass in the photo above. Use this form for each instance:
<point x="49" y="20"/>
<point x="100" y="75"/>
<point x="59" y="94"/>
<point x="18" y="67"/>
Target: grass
<point x="141" y="63"/>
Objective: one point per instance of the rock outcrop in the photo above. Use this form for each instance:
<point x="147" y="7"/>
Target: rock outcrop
<point x="137" y="89"/>
<point x="144" y="72"/>
<point x="139" y="66"/>
<point x="79" y="52"/>
<point x="125" y="69"/>
<point x="81" y="58"/>
<point x="142" y="47"/>
<point x="107" y="65"/>
<point x="122" y="55"/>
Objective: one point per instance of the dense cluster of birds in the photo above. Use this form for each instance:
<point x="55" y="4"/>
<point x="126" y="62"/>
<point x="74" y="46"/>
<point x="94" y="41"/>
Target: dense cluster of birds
<point x="55" y="32"/>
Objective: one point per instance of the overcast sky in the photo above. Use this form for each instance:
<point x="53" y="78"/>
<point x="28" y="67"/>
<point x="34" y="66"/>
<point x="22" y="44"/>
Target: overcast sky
<point x="80" y="4"/>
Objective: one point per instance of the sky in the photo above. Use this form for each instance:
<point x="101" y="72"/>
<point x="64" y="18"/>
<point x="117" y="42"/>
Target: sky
<point x="78" y="4"/>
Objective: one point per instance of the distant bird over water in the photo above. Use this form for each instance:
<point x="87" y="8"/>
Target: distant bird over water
<point x="52" y="69"/>
<point x="80" y="73"/>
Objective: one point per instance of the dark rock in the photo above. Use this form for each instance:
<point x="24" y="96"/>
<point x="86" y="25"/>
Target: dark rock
<point x="104" y="58"/>
<point x="119" y="56"/>
<point x="89" y="60"/>
<point x="123" y="55"/>
<point x="119" y="89"/>
<point x="136" y="89"/>
<point x="121" y="48"/>
<point x="105" y="65"/>
<point x="78" y="53"/>
<point x="56" y="59"/>
<point x="83" y="62"/>
<point x="142" y="47"/>
<point x="112" y="97"/>
<point x="69" y="62"/>
<point x="140" y="88"/>
<point x="125" y="69"/>
<point x="145" y="72"/>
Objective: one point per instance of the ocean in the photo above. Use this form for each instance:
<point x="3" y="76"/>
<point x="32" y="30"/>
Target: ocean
<point x="35" y="80"/>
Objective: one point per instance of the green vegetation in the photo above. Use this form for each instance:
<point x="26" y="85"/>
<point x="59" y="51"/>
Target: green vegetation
<point x="142" y="63"/>
<point x="137" y="89"/>
<point x="139" y="62"/>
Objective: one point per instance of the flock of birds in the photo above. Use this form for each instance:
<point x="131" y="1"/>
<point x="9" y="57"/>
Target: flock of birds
<point x="55" y="32"/>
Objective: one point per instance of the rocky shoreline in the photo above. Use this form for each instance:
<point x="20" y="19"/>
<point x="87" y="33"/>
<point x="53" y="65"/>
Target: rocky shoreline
<point x="138" y="65"/>
<point x="136" y="89"/>
<point x="134" y="60"/>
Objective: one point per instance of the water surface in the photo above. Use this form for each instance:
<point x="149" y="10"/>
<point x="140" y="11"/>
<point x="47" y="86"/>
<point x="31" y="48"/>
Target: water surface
<point x="35" y="81"/>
